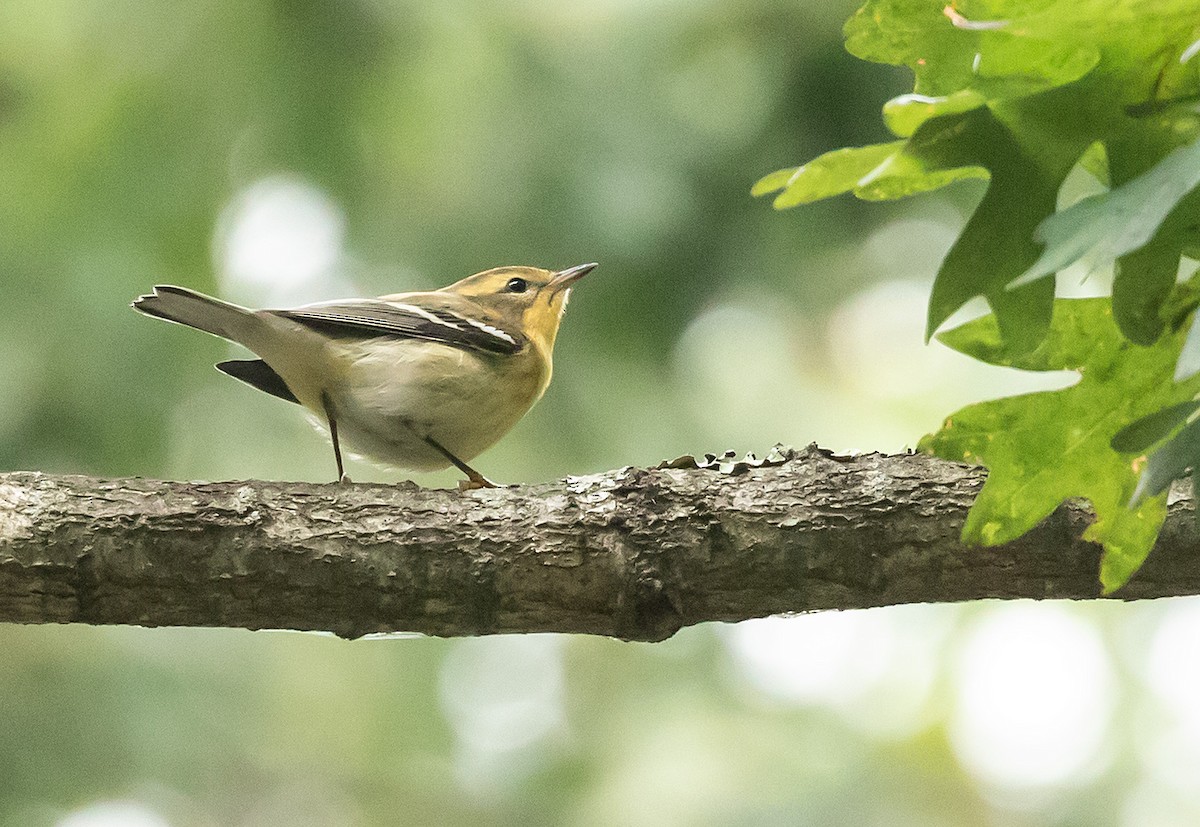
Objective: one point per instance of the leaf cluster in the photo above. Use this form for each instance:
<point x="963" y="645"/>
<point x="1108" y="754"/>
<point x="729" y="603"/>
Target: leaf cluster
<point x="1021" y="92"/>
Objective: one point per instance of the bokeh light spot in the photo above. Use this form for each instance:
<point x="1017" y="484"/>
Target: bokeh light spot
<point x="1170" y="742"/>
<point x="501" y="694"/>
<point x="877" y="667"/>
<point x="279" y="240"/>
<point x="1034" y="697"/>
<point x="113" y="814"/>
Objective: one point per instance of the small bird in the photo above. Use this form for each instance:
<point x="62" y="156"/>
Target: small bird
<point x="420" y="380"/>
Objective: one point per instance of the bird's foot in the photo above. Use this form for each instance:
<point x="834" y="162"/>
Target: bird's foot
<point x="475" y="482"/>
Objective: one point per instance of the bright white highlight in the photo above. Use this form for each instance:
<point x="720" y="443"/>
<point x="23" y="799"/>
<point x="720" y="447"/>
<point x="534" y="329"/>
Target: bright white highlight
<point x="875" y="666"/>
<point x="1173" y="666"/>
<point x="1034" y="698"/>
<point x="1190" y="52"/>
<point x="1171" y="748"/>
<point x="811" y="659"/>
<point x="501" y="694"/>
<point x="278" y="241"/>
<point x="113" y="814"/>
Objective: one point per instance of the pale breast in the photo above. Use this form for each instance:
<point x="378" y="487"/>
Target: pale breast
<point x="393" y="393"/>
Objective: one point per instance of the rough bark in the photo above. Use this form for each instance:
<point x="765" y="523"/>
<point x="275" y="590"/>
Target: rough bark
<point x="634" y="553"/>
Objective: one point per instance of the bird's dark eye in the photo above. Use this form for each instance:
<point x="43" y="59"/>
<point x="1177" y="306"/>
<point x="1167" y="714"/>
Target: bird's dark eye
<point x="517" y="285"/>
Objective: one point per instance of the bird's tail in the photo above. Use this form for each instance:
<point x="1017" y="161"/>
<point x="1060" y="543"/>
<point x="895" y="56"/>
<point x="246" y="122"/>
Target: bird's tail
<point x="187" y="307"/>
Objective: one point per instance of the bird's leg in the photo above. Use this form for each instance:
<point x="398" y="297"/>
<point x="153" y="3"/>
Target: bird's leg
<point x="474" y="478"/>
<point x="337" y="448"/>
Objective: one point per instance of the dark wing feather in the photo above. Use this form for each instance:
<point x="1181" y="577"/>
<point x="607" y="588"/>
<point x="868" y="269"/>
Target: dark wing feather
<point x="371" y="319"/>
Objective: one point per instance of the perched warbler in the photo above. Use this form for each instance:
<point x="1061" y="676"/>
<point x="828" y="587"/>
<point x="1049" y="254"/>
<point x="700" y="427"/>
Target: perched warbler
<point x="417" y="380"/>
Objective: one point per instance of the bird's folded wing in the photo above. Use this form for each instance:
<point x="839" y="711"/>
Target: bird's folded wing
<point x="372" y="318"/>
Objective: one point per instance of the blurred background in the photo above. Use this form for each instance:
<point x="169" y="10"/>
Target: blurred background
<point x="277" y="153"/>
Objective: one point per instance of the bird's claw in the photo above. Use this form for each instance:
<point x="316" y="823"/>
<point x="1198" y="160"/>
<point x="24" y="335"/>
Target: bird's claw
<point x="475" y="483"/>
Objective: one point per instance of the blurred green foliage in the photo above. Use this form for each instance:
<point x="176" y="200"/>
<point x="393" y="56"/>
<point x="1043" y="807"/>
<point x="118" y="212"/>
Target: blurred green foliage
<point x="145" y="143"/>
<point x="453" y="136"/>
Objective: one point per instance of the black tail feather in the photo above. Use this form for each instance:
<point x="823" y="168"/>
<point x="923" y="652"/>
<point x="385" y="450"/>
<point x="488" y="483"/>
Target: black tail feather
<point x="258" y="374"/>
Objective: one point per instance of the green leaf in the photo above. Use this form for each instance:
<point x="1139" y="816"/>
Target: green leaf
<point x="1019" y="91"/>
<point x="830" y="174"/>
<point x="1170" y="462"/>
<point x="1023" y="314"/>
<point x="1095" y="161"/>
<point x="905" y="113"/>
<point x="1044" y="448"/>
<point x="1006" y="49"/>
<point x="1142" y="281"/>
<point x="1011" y="48"/>
<point x="1140" y="435"/>
<point x="907" y="173"/>
<point x="1106" y="226"/>
<point x="1025" y="177"/>
<point x="1189" y="358"/>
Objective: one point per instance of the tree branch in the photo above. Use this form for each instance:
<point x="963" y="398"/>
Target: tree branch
<point x="635" y="554"/>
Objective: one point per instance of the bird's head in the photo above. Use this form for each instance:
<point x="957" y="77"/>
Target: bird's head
<point x="527" y="298"/>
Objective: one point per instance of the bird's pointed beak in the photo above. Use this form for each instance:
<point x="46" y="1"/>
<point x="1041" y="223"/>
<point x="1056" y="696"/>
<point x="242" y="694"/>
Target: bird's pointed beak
<point x="565" y="278"/>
